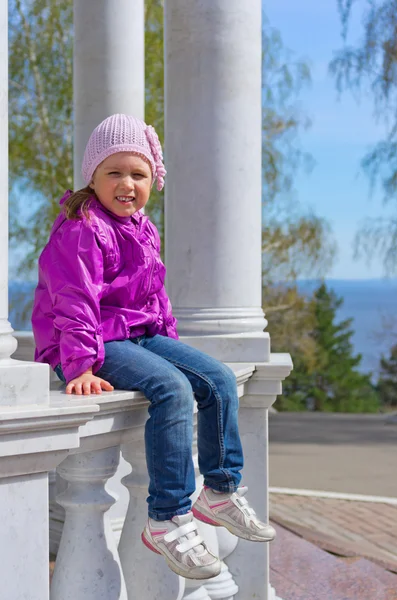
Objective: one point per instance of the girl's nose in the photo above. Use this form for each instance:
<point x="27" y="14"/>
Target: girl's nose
<point x="127" y="183"/>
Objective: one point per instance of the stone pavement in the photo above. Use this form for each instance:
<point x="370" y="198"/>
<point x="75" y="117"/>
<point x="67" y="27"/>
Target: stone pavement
<point x="300" y="570"/>
<point x="344" y="527"/>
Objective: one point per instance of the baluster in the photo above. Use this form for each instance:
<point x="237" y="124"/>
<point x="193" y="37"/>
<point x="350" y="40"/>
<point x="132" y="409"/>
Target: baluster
<point x="249" y="562"/>
<point x="88" y="565"/>
<point x="223" y="587"/>
<point x="147" y="575"/>
<point x="57" y="513"/>
<point x="220" y="542"/>
<point x="199" y="593"/>
<point x="196" y="589"/>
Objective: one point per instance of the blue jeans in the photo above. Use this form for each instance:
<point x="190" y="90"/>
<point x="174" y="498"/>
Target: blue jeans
<point x="170" y="374"/>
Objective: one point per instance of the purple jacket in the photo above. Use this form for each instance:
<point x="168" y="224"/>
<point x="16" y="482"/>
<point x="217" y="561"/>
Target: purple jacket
<point x="99" y="280"/>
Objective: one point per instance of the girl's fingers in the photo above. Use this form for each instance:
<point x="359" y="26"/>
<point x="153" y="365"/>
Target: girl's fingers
<point x="105" y="385"/>
<point x="97" y="388"/>
<point x="88" y="387"/>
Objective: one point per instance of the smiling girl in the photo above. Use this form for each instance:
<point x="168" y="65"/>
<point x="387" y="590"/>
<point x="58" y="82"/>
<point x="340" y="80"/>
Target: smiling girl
<point x="102" y="320"/>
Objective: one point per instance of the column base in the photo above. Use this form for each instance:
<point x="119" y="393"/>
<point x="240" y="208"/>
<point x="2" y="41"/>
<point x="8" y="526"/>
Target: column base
<point x="234" y="347"/>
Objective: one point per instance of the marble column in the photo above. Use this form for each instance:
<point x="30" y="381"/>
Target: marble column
<point x="108" y="73"/>
<point x="20" y="382"/>
<point x="213" y="192"/>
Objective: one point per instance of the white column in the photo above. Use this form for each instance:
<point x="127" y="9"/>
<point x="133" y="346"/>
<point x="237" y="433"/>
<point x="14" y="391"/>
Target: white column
<point x="20" y="383"/>
<point x="108" y="72"/>
<point x="213" y="192"/>
<point x="7" y="342"/>
<point x="88" y="565"/>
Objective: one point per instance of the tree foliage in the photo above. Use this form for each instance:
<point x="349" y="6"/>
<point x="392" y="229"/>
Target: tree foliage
<point x="370" y="68"/>
<point x="387" y="382"/>
<point x="40" y="104"/>
<point x="330" y="381"/>
<point x="294" y="242"/>
<point x="41" y="119"/>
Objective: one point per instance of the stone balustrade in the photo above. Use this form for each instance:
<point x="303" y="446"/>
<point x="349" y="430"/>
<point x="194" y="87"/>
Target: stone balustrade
<point x="90" y="564"/>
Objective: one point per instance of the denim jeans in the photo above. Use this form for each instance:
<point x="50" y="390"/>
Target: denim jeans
<point x="171" y="374"/>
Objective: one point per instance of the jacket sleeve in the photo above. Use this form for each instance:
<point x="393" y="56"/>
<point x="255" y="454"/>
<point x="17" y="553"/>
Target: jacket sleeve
<point x="73" y="269"/>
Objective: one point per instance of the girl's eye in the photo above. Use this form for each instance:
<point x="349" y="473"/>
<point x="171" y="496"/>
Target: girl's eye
<point x="114" y="173"/>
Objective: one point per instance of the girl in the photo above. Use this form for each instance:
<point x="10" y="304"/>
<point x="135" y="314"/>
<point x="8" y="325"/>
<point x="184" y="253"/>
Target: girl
<point x="102" y="320"/>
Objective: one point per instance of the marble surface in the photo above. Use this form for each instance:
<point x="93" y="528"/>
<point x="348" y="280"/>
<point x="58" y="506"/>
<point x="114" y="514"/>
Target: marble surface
<point x="23" y="383"/>
<point x="24" y="535"/>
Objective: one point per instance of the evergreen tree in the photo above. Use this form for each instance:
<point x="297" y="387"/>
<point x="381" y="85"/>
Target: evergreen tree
<point x="330" y="381"/>
<point x="387" y="383"/>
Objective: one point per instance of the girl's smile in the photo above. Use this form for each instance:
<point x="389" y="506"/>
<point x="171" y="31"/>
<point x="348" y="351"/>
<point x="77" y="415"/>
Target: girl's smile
<point x="122" y="183"/>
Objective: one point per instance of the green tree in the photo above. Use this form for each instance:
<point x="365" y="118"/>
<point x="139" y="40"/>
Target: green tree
<point x="332" y="381"/>
<point x="370" y="68"/>
<point x="387" y="382"/>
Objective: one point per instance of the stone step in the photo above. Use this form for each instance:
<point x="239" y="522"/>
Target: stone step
<point x="321" y="575"/>
<point x="372" y="570"/>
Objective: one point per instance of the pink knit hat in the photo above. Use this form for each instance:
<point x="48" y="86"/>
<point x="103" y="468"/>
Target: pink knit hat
<point x="123" y="133"/>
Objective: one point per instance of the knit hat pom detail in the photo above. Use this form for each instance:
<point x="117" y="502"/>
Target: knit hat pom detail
<point x="157" y="153"/>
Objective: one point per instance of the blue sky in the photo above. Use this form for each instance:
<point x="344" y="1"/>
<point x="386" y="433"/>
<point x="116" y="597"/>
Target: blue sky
<point x="341" y="133"/>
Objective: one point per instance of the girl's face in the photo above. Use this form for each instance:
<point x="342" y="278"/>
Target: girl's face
<point x="122" y="183"/>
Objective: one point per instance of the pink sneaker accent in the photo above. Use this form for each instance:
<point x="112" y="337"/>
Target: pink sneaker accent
<point x="203" y="518"/>
<point x="148" y="544"/>
<point x="231" y="510"/>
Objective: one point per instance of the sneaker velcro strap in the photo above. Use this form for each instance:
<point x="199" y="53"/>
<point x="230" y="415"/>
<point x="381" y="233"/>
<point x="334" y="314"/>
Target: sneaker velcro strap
<point x="180" y="531"/>
<point x="189" y="544"/>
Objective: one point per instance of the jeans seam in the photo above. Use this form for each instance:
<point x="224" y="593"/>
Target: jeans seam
<point x="219" y="411"/>
<point x="154" y="457"/>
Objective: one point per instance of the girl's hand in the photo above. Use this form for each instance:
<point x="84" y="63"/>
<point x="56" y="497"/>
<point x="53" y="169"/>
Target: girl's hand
<point x="87" y="383"/>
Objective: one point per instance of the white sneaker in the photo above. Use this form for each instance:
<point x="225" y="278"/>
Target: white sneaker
<point x="231" y="510"/>
<point x="183" y="549"/>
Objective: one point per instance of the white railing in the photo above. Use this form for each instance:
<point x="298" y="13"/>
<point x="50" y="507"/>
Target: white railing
<point x="90" y="565"/>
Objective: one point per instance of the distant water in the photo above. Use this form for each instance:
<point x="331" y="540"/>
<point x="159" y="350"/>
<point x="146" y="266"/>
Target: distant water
<point x="20" y="298"/>
<point x="371" y="303"/>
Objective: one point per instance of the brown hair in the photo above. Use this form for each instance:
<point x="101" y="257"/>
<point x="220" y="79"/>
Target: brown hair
<point x="78" y="203"/>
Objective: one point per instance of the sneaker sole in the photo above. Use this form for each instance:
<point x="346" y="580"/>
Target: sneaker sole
<point x="174" y="567"/>
<point x="245" y="536"/>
